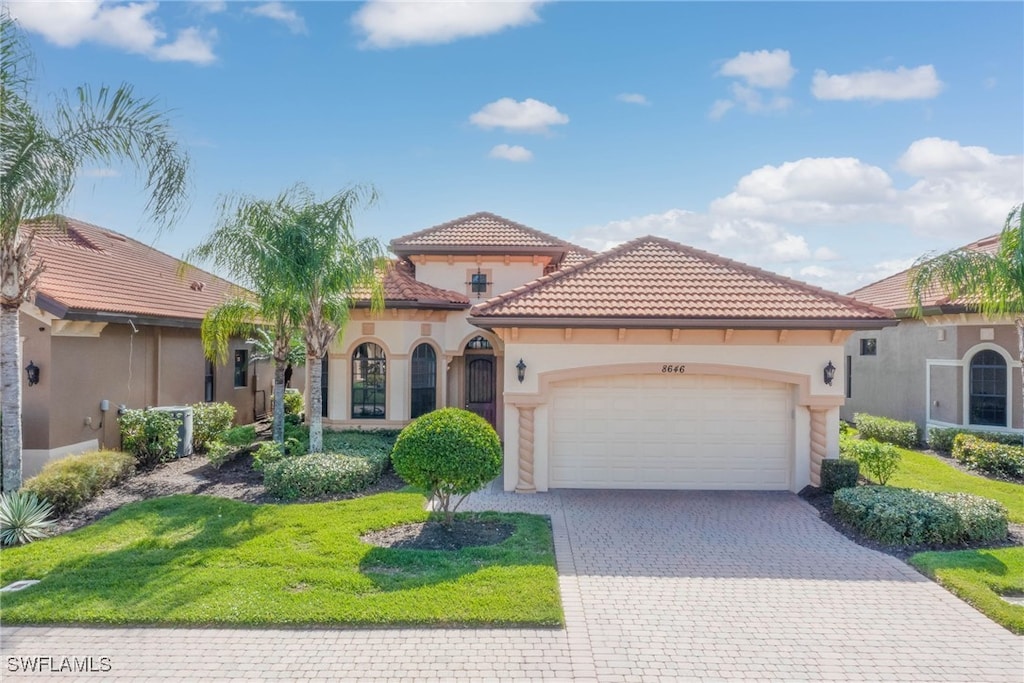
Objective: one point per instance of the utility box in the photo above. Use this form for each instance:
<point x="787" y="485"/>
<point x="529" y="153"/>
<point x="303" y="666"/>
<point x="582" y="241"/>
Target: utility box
<point x="183" y="416"/>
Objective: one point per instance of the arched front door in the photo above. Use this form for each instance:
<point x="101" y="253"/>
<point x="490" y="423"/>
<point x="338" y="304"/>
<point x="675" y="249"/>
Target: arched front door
<point x="480" y="379"/>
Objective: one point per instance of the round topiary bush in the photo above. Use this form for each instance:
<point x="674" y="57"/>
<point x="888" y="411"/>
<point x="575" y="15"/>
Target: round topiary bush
<point x="449" y="452"/>
<point x="896" y="516"/>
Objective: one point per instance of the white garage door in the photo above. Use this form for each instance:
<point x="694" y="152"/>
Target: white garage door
<point x="671" y="432"/>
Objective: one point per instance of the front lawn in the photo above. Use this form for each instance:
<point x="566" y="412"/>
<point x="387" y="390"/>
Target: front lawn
<point x="203" y="560"/>
<point x="921" y="471"/>
<point x="978" y="577"/>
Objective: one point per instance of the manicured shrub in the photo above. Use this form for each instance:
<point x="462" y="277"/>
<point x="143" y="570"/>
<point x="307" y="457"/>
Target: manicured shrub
<point x="449" y="452"/>
<point x="23" y="518"/>
<point x="219" y="452"/>
<point x="149" y="435"/>
<point x="293" y="402"/>
<point x="240" y="437"/>
<point x="209" y="421"/>
<point x="897" y="516"/>
<point x="69" y="482"/>
<point x="879" y="460"/>
<point x="838" y="474"/>
<point x="994" y="458"/>
<point x="296" y="438"/>
<point x="904" y="434"/>
<point x="941" y="439"/>
<point x="268" y="452"/>
<point x="318" y="474"/>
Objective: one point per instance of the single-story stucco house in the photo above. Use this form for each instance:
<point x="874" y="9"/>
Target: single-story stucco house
<point x="952" y="367"/>
<point x="651" y="365"/>
<point x="112" y="323"/>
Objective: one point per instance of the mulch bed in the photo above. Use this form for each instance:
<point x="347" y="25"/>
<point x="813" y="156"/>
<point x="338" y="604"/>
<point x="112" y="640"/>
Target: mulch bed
<point x="823" y="503"/>
<point x="463" y="533"/>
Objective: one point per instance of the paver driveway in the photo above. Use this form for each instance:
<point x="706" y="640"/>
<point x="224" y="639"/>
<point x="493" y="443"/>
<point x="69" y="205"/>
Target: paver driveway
<point x="668" y="586"/>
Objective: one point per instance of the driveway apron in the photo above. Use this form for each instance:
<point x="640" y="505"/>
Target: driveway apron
<point x="657" y="586"/>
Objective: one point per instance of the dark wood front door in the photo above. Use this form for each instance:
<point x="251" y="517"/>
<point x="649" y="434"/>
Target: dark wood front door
<point x="480" y="390"/>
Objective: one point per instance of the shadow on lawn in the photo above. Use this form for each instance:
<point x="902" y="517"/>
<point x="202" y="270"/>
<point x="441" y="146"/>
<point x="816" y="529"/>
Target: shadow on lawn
<point x="974" y="560"/>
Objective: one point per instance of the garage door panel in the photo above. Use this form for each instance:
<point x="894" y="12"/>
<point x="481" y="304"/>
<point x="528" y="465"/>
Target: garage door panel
<point x="670" y="431"/>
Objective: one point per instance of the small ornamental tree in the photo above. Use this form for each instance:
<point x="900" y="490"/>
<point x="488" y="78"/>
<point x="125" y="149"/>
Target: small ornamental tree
<point x="450" y="452"/>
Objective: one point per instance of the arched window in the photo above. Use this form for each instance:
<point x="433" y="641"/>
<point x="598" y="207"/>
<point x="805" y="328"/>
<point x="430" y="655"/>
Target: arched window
<point x="369" y="377"/>
<point x="424" y="380"/>
<point x="988" y="389"/>
<point x="477" y="343"/>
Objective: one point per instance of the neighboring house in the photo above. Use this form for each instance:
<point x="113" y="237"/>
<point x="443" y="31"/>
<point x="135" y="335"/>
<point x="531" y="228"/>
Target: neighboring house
<point x="652" y="365"/>
<point x="113" y="324"/>
<point x="950" y="368"/>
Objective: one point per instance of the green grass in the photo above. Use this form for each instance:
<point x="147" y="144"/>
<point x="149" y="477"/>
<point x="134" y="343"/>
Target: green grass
<point x="203" y="560"/>
<point x="979" y="577"/>
<point x="921" y="471"/>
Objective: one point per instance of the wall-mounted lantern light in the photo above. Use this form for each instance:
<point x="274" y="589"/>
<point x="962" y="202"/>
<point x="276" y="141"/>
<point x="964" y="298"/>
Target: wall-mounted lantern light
<point x="830" y="373"/>
<point x="521" y="370"/>
<point x="32" y="371"/>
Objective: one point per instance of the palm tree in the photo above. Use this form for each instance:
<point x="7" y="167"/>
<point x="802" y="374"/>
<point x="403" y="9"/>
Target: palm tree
<point x="332" y="268"/>
<point x="40" y="157"/>
<point x="250" y="244"/>
<point x="991" y="283"/>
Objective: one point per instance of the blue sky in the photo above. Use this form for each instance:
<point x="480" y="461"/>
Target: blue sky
<point x="832" y="142"/>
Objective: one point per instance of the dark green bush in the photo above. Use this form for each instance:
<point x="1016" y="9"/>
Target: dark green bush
<point x="941" y="439"/>
<point x="904" y="434"/>
<point x="838" y="474"/>
<point x="239" y="437"/>
<point x="896" y="516"/>
<point x="266" y="453"/>
<point x="149" y="435"/>
<point x="449" y="452"/>
<point x="879" y="460"/>
<point x="296" y="438"/>
<point x="317" y="474"/>
<point x="994" y="458"/>
<point x="209" y="421"/>
<point x="69" y="482"/>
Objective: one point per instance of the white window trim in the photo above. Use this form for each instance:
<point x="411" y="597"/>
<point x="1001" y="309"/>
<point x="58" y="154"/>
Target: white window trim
<point x="964" y="363"/>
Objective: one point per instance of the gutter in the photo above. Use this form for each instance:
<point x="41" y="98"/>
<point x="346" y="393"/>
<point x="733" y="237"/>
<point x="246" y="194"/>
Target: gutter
<point x="490" y="323"/>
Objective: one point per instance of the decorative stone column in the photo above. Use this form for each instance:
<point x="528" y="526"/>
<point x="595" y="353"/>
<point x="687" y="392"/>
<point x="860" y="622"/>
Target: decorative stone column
<point x="525" y="483"/>
<point x="819" y="443"/>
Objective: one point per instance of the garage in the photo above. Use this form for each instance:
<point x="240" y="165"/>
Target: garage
<point x="646" y="431"/>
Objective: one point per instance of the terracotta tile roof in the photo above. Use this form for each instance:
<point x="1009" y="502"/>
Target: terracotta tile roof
<point x="402" y="287"/>
<point x="482" y="232"/>
<point x="91" y="270"/>
<point x="576" y="254"/>
<point x="894" y="291"/>
<point x="652" y="281"/>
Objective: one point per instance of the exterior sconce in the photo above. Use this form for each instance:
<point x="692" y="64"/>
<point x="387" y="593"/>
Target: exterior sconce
<point x="521" y="370"/>
<point x="830" y="373"/>
<point x="32" y="370"/>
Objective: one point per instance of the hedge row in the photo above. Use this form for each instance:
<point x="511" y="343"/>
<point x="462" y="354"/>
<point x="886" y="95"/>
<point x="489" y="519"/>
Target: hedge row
<point x="994" y="458"/>
<point x="904" y="434"/>
<point x="941" y="438"/>
<point x="70" y="482"/>
<point x="318" y="474"/>
<point x="838" y="473"/>
<point x="896" y="516"/>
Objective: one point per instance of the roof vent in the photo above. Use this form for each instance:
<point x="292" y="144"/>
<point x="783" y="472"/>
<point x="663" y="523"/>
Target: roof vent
<point x="197" y="286"/>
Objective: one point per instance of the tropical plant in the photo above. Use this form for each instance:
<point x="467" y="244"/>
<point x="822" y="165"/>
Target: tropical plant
<point x="990" y="283"/>
<point x="40" y="157"/>
<point x="23" y="518"/>
<point x="210" y="420"/>
<point x="150" y="435"/>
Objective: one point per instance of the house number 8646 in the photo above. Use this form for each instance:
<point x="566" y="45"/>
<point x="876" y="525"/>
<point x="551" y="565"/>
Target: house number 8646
<point x="676" y="369"/>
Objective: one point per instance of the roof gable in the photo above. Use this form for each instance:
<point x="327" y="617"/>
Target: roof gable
<point x="479" y="233"/>
<point x="654" y="280"/>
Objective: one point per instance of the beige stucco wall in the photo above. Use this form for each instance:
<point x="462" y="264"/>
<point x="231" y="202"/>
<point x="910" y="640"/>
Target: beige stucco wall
<point x="454" y="276"/>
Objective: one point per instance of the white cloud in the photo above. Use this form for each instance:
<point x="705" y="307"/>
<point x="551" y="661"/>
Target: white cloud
<point x="528" y="116"/>
<point x="754" y="103"/>
<point x="210" y="6"/>
<point x="818" y="272"/>
<point x="386" y="24"/>
<point x="826" y="254"/>
<point x="124" y="26"/>
<point x="760" y="69"/>
<point x="720" y="108"/>
<point x="632" y="98"/>
<point x="100" y="173"/>
<point x="989" y="83"/>
<point x="920" y="83"/>
<point x="278" y="11"/>
<point x="511" y="153"/>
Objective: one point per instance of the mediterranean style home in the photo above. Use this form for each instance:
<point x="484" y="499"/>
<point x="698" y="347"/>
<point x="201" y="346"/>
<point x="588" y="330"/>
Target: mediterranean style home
<point x="952" y="367"/>
<point x="113" y="324"/>
<point x="651" y="365"/>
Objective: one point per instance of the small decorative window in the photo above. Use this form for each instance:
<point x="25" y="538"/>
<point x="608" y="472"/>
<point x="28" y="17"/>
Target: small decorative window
<point x="849" y="377"/>
<point x="869" y="347"/>
<point x="369" y="382"/>
<point x="478" y="343"/>
<point x="478" y="283"/>
<point x="241" y="368"/>
<point x="208" y="389"/>
<point x="988" y="389"/>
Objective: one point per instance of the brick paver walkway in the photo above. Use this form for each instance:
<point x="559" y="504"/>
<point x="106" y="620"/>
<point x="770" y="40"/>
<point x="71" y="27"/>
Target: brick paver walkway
<point x="657" y="586"/>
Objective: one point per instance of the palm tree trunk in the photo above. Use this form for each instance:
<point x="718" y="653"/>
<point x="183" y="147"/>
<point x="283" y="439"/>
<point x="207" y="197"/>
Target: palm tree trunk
<point x="316" y="419"/>
<point x="278" y="423"/>
<point x="10" y="411"/>
<point x="1020" y="355"/>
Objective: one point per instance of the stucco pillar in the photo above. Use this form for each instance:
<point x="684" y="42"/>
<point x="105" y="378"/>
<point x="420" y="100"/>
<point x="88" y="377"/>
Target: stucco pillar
<point x="525" y="483"/>
<point x="819" y="443"/>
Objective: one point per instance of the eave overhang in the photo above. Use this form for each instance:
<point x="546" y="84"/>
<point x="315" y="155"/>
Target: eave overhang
<point x="495" y="322"/>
